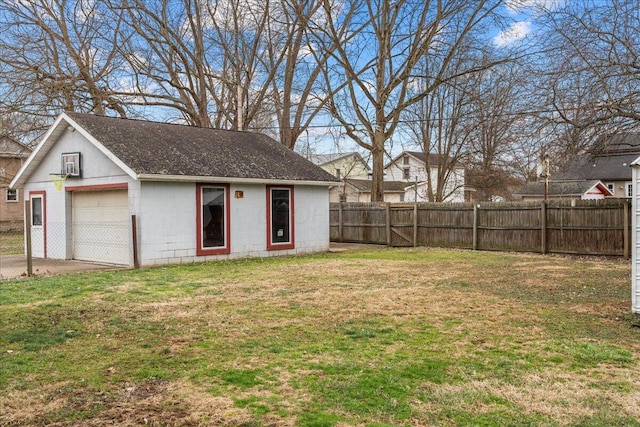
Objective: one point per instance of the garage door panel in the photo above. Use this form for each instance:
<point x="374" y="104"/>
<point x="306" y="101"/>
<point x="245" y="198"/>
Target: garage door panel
<point x="101" y="226"/>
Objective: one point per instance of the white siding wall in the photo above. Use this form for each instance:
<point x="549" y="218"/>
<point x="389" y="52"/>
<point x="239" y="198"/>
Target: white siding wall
<point x="635" y="247"/>
<point x="454" y="185"/>
<point x="350" y="167"/>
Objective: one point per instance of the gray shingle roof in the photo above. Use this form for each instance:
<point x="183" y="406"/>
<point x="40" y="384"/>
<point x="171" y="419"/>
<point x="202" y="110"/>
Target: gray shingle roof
<point x="618" y="143"/>
<point x="170" y="149"/>
<point x="608" y="161"/>
<point x="557" y="188"/>
<point x="604" y="168"/>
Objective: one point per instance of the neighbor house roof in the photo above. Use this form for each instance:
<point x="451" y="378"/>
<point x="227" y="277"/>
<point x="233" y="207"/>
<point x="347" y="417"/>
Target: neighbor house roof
<point x="610" y="167"/>
<point x="364" y="185"/>
<point x="434" y="159"/>
<point x="160" y="151"/>
<point x="323" y="159"/>
<point x="12" y="148"/>
<point x="618" y="144"/>
<point x="574" y="188"/>
<point x="608" y="161"/>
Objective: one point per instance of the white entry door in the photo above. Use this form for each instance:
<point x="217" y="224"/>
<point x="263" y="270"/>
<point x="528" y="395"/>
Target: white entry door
<point x="101" y="226"/>
<point x="38" y="222"/>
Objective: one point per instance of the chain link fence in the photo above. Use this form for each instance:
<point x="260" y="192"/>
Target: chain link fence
<point x="11" y="237"/>
<point x="55" y="243"/>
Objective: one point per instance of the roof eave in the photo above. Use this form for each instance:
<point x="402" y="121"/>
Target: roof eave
<point x="33" y="161"/>
<point x="231" y="180"/>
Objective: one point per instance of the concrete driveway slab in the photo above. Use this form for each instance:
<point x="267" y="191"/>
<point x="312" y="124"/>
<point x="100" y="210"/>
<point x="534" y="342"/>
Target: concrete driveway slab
<point x="15" y="266"/>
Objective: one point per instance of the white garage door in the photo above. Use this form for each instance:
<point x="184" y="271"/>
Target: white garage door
<point x="101" y="226"/>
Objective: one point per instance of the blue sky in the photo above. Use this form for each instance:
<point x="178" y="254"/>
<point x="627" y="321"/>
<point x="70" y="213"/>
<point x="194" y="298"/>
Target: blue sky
<point x="524" y="14"/>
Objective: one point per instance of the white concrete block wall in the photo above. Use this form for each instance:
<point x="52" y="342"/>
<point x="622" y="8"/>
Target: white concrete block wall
<point x="248" y="220"/>
<point x="311" y="219"/>
<point x="167" y="222"/>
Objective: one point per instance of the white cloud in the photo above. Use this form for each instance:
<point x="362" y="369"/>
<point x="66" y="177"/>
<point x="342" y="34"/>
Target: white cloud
<point x="517" y="31"/>
<point x="521" y="6"/>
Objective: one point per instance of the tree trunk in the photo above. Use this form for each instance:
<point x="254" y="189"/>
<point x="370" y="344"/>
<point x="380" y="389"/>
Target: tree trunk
<point x="377" y="184"/>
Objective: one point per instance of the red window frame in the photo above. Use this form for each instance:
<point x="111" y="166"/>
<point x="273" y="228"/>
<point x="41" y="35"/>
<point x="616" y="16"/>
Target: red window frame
<point x="291" y="244"/>
<point x="219" y="250"/>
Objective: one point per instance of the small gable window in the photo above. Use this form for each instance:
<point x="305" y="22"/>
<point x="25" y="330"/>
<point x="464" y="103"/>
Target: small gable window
<point x="406" y="174"/>
<point x="12" y="195"/>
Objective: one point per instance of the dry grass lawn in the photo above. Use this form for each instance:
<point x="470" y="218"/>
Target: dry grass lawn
<point x="375" y="337"/>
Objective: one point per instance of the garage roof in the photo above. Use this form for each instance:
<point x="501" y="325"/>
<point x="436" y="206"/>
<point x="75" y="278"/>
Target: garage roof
<point x="161" y="151"/>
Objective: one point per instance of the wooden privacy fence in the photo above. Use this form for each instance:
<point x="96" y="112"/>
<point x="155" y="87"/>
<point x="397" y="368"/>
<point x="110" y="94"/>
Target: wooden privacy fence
<point x="586" y="227"/>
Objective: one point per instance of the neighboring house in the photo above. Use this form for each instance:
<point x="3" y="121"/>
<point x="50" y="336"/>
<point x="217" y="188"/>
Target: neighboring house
<point x="12" y="156"/>
<point x="411" y="168"/>
<point x="196" y="193"/>
<point x="608" y="163"/>
<point x="359" y="190"/>
<point x="343" y="166"/>
<point x="577" y="190"/>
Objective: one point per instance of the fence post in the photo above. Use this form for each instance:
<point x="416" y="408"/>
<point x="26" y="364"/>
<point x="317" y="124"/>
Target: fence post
<point x="388" y="222"/>
<point x="543" y="226"/>
<point x="625" y="233"/>
<point x="415" y="224"/>
<point x="475" y="227"/>
<point x="27" y="236"/>
<point x="340" y="236"/>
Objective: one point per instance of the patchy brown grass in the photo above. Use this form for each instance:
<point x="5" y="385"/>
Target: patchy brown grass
<point x="399" y="337"/>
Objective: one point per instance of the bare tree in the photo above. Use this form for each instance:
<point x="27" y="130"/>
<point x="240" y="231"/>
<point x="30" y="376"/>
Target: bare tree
<point x="59" y="55"/>
<point x="499" y="130"/>
<point x="440" y="123"/>
<point x="380" y="44"/>
<point x="297" y="95"/>
<point x="592" y="71"/>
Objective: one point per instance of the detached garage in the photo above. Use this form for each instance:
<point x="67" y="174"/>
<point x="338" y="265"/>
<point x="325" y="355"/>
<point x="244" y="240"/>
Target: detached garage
<point x="191" y="193"/>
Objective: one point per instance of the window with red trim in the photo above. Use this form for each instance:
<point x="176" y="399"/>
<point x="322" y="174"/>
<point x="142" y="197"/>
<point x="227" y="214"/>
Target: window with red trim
<point x="280" y="218"/>
<point x="212" y="219"/>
